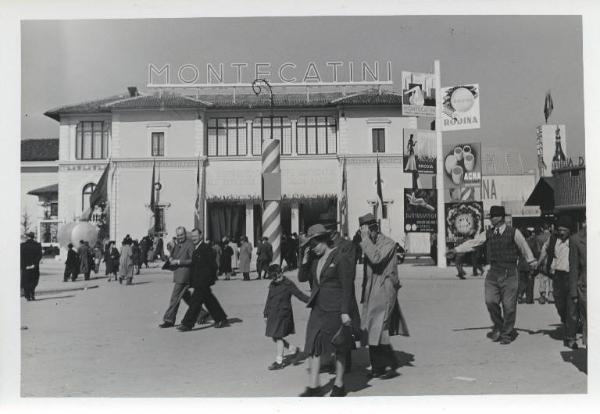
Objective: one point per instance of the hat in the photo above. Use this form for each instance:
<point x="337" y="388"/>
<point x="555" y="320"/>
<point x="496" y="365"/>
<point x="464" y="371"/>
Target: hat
<point x="314" y="231"/>
<point x="497" y="211"/>
<point x="368" y="218"/>
<point x="565" y="221"/>
<point x="31" y="235"/>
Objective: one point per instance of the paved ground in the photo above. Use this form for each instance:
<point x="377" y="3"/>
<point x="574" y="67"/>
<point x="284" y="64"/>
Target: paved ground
<point x="103" y="341"/>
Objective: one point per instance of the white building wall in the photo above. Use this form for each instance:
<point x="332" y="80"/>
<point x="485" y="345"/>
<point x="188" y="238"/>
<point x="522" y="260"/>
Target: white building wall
<point x="72" y="177"/>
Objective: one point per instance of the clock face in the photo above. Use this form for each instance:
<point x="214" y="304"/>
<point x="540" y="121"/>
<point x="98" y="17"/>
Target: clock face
<point x="464" y="223"/>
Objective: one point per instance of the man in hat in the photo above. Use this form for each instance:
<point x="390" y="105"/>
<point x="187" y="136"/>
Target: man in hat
<point x="503" y="244"/>
<point x="31" y="255"/>
<point x="380" y="297"/>
<point x="564" y="266"/>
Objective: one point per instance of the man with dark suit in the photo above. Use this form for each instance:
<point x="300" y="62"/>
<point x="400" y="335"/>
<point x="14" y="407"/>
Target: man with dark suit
<point x="31" y="254"/>
<point x="180" y="262"/>
<point x="202" y="276"/>
<point x="264" y="257"/>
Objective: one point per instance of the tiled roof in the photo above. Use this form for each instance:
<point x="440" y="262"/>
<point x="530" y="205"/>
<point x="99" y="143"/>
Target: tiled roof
<point x="45" y="190"/>
<point x="39" y="149"/>
<point x="168" y="100"/>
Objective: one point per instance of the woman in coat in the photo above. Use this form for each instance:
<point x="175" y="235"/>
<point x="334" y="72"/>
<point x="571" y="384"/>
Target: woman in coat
<point x="332" y="301"/>
<point x="126" y="262"/>
<point x="72" y="264"/>
<point x="226" y="255"/>
<point x="245" y="257"/>
<point x="113" y="260"/>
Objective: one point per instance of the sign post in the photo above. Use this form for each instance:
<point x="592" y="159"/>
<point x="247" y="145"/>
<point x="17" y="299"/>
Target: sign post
<point x="439" y="181"/>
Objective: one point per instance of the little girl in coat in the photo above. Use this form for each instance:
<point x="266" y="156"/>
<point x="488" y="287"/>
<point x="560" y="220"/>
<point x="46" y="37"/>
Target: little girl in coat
<point x="278" y="314"/>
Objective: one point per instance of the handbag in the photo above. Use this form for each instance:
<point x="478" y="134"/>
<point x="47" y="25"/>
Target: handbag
<point x="343" y="338"/>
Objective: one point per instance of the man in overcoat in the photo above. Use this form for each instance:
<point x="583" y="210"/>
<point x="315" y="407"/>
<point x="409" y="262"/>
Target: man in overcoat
<point x="245" y="257"/>
<point x="381" y="296"/>
<point x="180" y="262"/>
<point x="203" y="274"/>
<point x="264" y="257"/>
<point x="31" y="255"/>
<point x="84" y="259"/>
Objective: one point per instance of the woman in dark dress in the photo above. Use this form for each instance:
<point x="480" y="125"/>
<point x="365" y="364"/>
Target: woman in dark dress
<point x="332" y="301"/>
<point x="114" y="260"/>
<point x="279" y="316"/>
<point x="226" y="254"/>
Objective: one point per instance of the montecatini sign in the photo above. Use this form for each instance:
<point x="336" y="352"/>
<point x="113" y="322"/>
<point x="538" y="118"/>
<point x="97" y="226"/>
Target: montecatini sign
<point x="287" y="72"/>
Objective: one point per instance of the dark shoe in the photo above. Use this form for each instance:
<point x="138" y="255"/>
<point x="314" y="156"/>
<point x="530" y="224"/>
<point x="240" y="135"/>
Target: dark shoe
<point x="519" y="301"/>
<point x="461" y="276"/>
<point x="571" y="344"/>
<point x="297" y="357"/>
<point x="275" y="366"/>
<point x="542" y="300"/>
<point x="513" y="335"/>
<point x="505" y="341"/>
<point x="494" y="335"/>
<point x="375" y="374"/>
<point x="184" y="328"/>
<point x="222" y="324"/>
<point x="166" y="325"/>
<point x="392" y="373"/>
<point x="120" y="280"/>
<point x="338" y="391"/>
<point x="312" y="392"/>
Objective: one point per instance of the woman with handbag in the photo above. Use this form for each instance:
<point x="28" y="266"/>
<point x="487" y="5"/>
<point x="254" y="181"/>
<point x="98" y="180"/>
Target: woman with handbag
<point x="329" y="328"/>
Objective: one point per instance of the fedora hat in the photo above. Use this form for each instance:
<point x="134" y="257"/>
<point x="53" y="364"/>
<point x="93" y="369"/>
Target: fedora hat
<point x="497" y="211"/>
<point x="314" y="231"/>
<point x="368" y="218"/>
<point x="564" y="221"/>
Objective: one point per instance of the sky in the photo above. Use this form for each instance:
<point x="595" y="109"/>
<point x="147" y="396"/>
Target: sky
<point x="514" y="59"/>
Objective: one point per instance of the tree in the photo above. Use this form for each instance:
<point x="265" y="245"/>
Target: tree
<point x="25" y="222"/>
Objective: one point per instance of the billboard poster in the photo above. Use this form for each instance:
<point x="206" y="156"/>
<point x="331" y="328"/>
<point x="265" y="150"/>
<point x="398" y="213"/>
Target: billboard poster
<point x="418" y="94"/>
<point x="462" y="172"/>
<point x="463" y="221"/>
<point x="419" y="151"/>
<point x="546" y="146"/>
<point x="460" y="107"/>
<point x="420" y="215"/>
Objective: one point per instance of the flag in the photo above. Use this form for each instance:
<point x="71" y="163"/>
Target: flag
<point x="379" y="190"/>
<point x="548" y="106"/>
<point x="197" y="210"/>
<point x="100" y="194"/>
<point x="344" y="202"/>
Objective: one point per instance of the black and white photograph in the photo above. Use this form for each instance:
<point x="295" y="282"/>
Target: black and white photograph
<point x="278" y="205"/>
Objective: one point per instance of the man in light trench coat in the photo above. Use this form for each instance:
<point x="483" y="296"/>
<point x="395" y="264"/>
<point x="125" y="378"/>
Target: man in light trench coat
<point x="381" y="317"/>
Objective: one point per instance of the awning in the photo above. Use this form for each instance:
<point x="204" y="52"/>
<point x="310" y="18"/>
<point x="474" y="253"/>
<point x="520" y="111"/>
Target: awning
<point x="45" y="191"/>
<point x="543" y="194"/>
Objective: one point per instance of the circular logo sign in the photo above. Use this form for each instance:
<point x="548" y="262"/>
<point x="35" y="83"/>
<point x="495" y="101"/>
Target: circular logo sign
<point x="462" y="100"/>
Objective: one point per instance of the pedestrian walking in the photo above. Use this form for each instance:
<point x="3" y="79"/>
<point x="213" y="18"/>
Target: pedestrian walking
<point x="85" y="266"/>
<point x="97" y="257"/>
<point x="526" y="274"/>
<point x="503" y="243"/>
<point x="137" y="257"/>
<point x="264" y="257"/>
<point x="564" y="265"/>
<point x="179" y="262"/>
<point x="114" y="261"/>
<point x="31" y="255"/>
<point x="226" y="255"/>
<point x="216" y="246"/>
<point x="279" y="316"/>
<point x="380" y="298"/>
<point x="329" y="328"/>
<point x="544" y="281"/>
<point x="235" y="258"/>
<point x="107" y="267"/>
<point x="245" y="257"/>
<point x="202" y="276"/>
<point x="145" y="244"/>
<point x="356" y="240"/>
<point x="71" y="264"/>
<point x="126" y="262"/>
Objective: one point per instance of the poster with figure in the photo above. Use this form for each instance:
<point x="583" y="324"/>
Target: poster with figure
<point x="420" y="151"/>
<point x="418" y="94"/>
<point x="420" y="210"/>
<point x="462" y="172"/>
<point x="463" y="220"/>
<point x="460" y="108"/>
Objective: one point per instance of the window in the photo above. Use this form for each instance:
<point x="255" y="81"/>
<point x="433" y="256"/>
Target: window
<point x="282" y="130"/>
<point x="227" y="137"/>
<point x="91" y="141"/>
<point x="316" y="135"/>
<point x="87" y="191"/>
<point x="158" y="144"/>
<point x="378" y="139"/>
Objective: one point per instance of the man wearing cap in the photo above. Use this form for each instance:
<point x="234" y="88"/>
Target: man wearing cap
<point x="31" y="255"/>
<point x="503" y="244"/>
<point x="380" y="296"/>
<point x="564" y="263"/>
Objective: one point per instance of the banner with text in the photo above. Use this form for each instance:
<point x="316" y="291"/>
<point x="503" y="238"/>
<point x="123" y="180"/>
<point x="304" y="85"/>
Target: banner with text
<point x="463" y="221"/>
<point x="462" y="172"/>
<point x="419" y="151"/>
<point x="460" y="108"/>
<point x="418" y="94"/>
<point x="420" y="212"/>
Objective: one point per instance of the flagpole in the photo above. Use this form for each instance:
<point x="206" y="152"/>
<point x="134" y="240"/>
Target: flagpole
<point x="439" y="181"/>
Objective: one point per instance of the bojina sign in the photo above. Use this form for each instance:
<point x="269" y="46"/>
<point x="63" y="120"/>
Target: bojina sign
<point x="460" y="107"/>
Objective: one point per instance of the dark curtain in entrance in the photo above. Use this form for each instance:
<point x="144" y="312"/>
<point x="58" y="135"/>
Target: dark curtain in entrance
<point x="226" y="220"/>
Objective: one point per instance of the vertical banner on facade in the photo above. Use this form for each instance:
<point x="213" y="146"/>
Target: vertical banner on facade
<point x="460" y="108"/>
<point x="418" y="94"/>
<point x="419" y="151"/>
<point x="462" y="172"/>
<point x="420" y="212"/>
<point x="463" y="220"/>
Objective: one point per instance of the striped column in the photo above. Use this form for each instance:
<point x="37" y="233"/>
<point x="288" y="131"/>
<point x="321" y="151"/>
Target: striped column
<point x="271" y="217"/>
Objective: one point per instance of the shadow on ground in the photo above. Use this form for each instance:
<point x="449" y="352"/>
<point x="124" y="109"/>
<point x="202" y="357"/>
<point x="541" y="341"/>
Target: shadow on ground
<point x="577" y="357"/>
